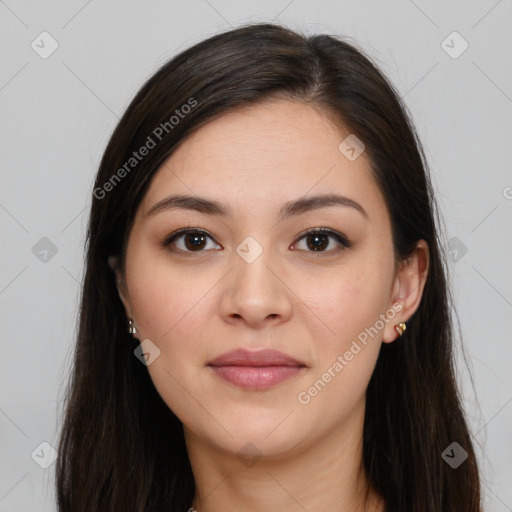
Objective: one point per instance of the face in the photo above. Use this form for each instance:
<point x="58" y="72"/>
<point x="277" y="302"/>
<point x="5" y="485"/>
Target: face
<point x="253" y="278"/>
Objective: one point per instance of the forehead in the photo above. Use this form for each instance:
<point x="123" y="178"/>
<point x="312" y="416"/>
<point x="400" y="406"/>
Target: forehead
<point x="266" y="154"/>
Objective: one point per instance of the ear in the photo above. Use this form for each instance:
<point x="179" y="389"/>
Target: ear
<point x="408" y="288"/>
<point x="120" y="284"/>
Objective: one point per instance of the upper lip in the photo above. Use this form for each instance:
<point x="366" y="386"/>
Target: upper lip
<point x="244" y="357"/>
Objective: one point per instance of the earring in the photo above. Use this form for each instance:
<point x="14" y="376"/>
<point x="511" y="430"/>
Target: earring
<point x="132" y="328"/>
<point x="400" y="328"/>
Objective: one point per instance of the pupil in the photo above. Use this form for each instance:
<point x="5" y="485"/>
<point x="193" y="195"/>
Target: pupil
<point x="198" y="241"/>
<point x="317" y="238"/>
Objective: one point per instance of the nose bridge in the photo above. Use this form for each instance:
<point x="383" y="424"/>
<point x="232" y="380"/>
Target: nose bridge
<point x="254" y="291"/>
<point x="251" y="276"/>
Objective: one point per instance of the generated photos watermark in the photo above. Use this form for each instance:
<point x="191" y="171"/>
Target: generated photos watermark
<point x="304" y="397"/>
<point x="152" y="140"/>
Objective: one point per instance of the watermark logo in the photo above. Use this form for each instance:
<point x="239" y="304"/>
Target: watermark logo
<point x="147" y="352"/>
<point x="457" y="249"/>
<point x="352" y="147"/>
<point x="44" y="45"/>
<point x="249" y="454"/>
<point x="249" y="249"/>
<point x="454" y="45"/>
<point x="44" y="455"/>
<point x="44" y="250"/>
<point x="454" y="455"/>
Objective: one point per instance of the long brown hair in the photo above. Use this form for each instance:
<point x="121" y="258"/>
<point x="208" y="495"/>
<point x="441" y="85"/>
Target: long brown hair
<point x="121" y="448"/>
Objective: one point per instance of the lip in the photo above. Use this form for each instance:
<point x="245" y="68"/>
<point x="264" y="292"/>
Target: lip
<point x="256" y="369"/>
<point x="265" y="357"/>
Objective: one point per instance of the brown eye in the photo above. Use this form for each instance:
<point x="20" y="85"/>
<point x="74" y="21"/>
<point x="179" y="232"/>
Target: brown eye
<point x="318" y="239"/>
<point x="194" y="241"/>
<point x="187" y="240"/>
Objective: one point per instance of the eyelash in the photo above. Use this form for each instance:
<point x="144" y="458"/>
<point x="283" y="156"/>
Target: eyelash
<point x="344" y="242"/>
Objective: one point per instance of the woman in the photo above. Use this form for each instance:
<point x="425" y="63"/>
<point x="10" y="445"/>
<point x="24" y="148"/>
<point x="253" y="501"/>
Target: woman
<point x="265" y="319"/>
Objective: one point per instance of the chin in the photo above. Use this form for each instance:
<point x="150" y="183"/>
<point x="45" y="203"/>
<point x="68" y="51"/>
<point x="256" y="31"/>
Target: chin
<point x="247" y="445"/>
<point x="270" y="434"/>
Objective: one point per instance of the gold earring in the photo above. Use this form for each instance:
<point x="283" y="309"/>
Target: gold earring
<point x="132" y="328"/>
<point x="400" y="328"/>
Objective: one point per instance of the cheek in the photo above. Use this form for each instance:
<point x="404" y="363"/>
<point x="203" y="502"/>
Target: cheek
<point x="350" y="306"/>
<point x="173" y="312"/>
<point x="349" y="302"/>
<point x="165" y="298"/>
<point x="174" y="308"/>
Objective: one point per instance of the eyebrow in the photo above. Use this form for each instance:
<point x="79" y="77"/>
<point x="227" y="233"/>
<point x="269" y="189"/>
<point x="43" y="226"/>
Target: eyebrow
<point x="289" y="209"/>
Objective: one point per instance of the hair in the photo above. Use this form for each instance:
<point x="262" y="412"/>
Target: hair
<point x="121" y="447"/>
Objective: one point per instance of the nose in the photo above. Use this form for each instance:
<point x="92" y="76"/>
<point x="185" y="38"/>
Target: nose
<point x="255" y="295"/>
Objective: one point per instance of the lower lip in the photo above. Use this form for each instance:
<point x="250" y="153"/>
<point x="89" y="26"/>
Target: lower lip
<point x="256" y="377"/>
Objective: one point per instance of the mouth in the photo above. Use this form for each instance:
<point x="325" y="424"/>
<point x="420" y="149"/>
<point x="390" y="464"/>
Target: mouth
<point x="256" y="369"/>
<point x="256" y="377"/>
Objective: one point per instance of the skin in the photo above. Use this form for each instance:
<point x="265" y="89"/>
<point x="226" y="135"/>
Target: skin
<point x="311" y="305"/>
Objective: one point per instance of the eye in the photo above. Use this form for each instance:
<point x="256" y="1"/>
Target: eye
<point x="187" y="240"/>
<point x="317" y="240"/>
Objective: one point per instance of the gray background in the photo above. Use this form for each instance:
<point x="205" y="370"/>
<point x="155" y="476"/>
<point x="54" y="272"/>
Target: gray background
<point x="58" y="112"/>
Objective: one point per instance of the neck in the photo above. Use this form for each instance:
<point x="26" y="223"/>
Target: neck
<point x="325" y="476"/>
